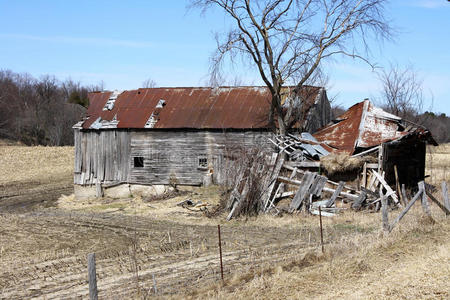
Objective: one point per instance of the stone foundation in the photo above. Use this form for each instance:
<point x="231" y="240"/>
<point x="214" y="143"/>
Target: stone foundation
<point x="123" y="191"/>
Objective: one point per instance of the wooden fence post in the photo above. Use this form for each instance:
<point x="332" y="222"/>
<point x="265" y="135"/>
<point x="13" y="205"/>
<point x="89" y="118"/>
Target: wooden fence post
<point x="384" y="210"/>
<point x="425" y="204"/>
<point x="321" y="231"/>
<point x="445" y="195"/>
<point x="92" y="274"/>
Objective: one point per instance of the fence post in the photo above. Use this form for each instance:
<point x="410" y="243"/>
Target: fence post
<point x="321" y="232"/>
<point x="445" y="195"/>
<point x="384" y="211"/>
<point x="92" y="274"/>
<point x="425" y="204"/>
<point x="220" y="252"/>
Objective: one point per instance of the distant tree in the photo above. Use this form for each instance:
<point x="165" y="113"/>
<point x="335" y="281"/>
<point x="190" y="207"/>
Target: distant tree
<point x="402" y="92"/>
<point x="149" y="83"/>
<point x="287" y="40"/>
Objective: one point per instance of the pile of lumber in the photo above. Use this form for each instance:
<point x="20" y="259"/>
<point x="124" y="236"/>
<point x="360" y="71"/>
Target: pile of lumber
<point x="285" y="178"/>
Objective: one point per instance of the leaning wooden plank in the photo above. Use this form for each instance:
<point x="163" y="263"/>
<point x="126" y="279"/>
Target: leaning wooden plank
<point x="234" y="205"/>
<point x="387" y="187"/>
<point x="366" y="152"/>
<point x="302" y="192"/>
<point x="364" y="177"/>
<point x="403" y="213"/>
<point x="358" y="203"/>
<point x="397" y="185"/>
<point x="273" y="180"/>
<point x="447" y="211"/>
<point x="325" y="189"/>
<point x="306" y="164"/>
<point x="445" y="195"/>
<point x="425" y="204"/>
<point x="335" y="194"/>
<point x="319" y="185"/>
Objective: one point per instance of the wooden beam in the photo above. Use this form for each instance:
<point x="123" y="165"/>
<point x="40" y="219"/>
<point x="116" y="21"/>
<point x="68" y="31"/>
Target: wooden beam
<point x="364" y="178"/>
<point x="384" y="211"/>
<point x="305" y="164"/>
<point x="445" y="195"/>
<point x="387" y="187"/>
<point x="447" y="212"/>
<point x="403" y="213"/>
<point x="366" y="152"/>
<point x="397" y="185"/>
<point x="335" y="194"/>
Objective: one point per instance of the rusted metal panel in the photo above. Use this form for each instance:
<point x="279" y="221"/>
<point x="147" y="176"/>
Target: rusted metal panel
<point x="200" y="108"/>
<point x="364" y="126"/>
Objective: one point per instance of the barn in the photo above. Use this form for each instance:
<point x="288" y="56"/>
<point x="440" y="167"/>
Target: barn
<point x="154" y="137"/>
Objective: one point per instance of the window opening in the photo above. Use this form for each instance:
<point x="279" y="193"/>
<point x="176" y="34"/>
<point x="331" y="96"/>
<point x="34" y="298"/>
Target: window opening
<point x="138" y="162"/>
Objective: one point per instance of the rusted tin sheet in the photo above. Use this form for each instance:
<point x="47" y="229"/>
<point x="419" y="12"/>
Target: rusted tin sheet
<point x="200" y="108"/>
<point x="362" y="126"/>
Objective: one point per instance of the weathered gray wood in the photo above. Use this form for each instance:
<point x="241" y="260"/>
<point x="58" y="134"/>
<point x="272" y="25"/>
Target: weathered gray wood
<point x="358" y="203"/>
<point x="326" y="189"/>
<point x="335" y="194"/>
<point x="397" y="185"/>
<point x="98" y="188"/>
<point x="445" y="195"/>
<point x="305" y="164"/>
<point x="318" y="186"/>
<point x="441" y="206"/>
<point x="303" y="191"/>
<point x="387" y="187"/>
<point x="364" y="178"/>
<point x="92" y="276"/>
<point x="273" y="180"/>
<point x="425" y="204"/>
<point x="384" y="211"/>
<point x="403" y="213"/>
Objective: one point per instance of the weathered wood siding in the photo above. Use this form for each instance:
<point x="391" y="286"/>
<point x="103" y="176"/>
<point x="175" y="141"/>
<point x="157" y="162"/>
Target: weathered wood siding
<point x="167" y="155"/>
<point x="102" y="155"/>
<point x="175" y="154"/>
<point x="320" y="113"/>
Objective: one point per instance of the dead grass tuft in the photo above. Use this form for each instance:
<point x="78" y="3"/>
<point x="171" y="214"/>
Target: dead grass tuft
<point x="341" y="163"/>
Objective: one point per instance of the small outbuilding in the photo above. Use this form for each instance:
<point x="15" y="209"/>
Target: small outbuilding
<point x="365" y="129"/>
<point x="162" y="136"/>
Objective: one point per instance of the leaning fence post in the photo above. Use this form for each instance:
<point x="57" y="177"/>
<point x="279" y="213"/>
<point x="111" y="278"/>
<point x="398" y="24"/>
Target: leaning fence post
<point x="445" y="195"/>
<point x="220" y="252"/>
<point x="321" y="232"/>
<point x="425" y="204"/>
<point x="384" y="211"/>
<point x="92" y="274"/>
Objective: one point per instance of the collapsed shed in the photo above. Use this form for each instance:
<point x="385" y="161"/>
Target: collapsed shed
<point x="162" y="136"/>
<point x="365" y="129"/>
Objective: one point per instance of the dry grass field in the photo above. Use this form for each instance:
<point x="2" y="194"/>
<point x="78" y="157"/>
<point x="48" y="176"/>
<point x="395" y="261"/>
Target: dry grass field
<point x="438" y="163"/>
<point x="43" y="248"/>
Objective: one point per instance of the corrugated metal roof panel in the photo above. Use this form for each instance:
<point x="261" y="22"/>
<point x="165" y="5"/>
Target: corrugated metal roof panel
<point x="362" y="125"/>
<point x="213" y="108"/>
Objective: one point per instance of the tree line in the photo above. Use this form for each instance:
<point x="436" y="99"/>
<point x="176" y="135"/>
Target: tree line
<point x="41" y="111"/>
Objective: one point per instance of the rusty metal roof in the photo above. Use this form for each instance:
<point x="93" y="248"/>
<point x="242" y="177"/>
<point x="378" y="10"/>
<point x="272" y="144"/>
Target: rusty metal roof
<point x="364" y="126"/>
<point x="191" y="107"/>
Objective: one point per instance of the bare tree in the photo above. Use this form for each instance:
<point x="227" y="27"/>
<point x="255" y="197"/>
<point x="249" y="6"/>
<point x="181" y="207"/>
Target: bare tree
<point x="286" y="40"/>
<point x="149" y="83"/>
<point x="402" y="92"/>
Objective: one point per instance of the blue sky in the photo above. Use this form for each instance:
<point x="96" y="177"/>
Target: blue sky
<point x="123" y="43"/>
